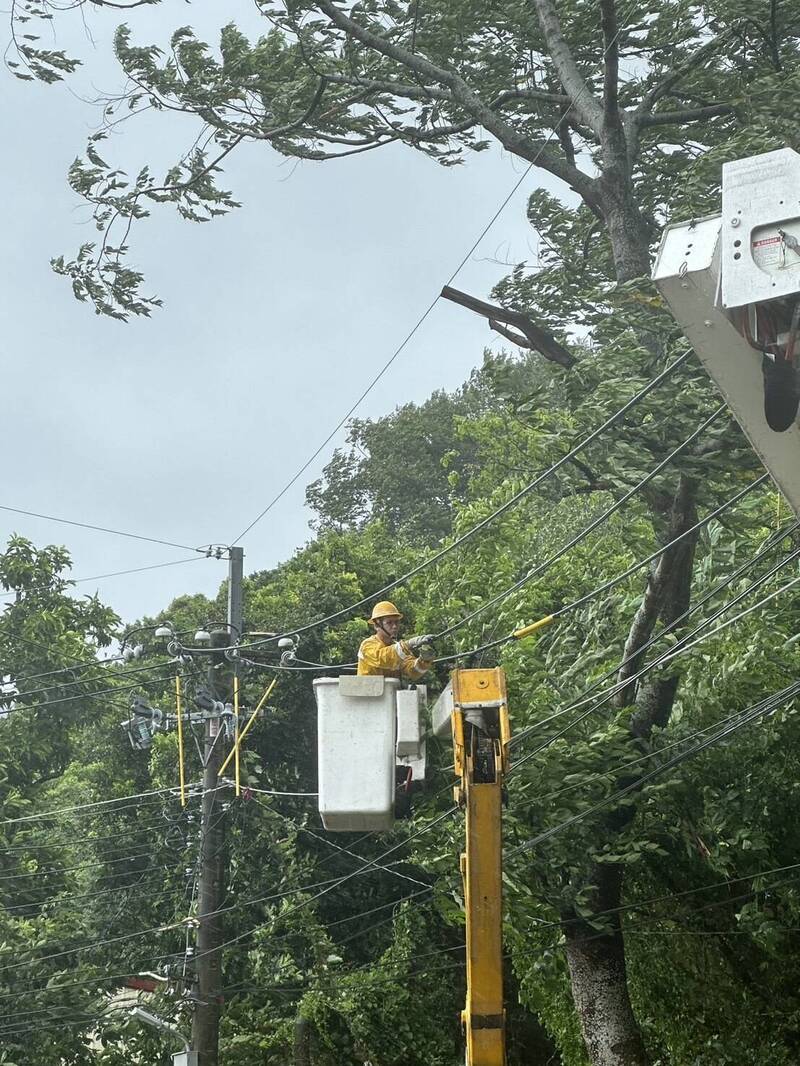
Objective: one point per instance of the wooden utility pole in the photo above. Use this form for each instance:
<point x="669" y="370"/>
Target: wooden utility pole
<point x="211" y="883"/>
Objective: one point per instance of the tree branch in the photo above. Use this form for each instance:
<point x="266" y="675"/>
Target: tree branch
<point x="533" y="336"/>
<point x="519" y="144"/>
<point x="391" y="87"/>
<point x="581" y="97"/>
<point x="654" y="94"/>
<point x="608" y="22"/>
<point x="689" y="114"/>
<point x="512" y="95"/>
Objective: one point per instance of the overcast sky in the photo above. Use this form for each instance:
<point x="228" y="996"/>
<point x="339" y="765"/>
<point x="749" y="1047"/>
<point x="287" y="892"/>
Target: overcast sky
<point x="184" y="426"/>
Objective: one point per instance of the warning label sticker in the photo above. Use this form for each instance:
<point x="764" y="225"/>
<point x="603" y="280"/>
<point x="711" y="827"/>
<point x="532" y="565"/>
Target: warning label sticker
<point x="768" y="251"/>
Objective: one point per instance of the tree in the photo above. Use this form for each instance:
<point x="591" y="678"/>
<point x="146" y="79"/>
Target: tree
<point x="401" y="469"/>
<point x="441" y="78"/>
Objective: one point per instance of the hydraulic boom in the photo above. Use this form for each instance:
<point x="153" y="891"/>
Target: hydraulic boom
<point x="481" y="734"/>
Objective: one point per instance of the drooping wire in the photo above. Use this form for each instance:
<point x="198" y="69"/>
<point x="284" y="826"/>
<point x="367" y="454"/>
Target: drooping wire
<point x="589" y="529"/>
<point x="101" y="529"/>
<point x="764" y="707"/>
<point x="464" y="537"/>
<point x="553" y="132"/>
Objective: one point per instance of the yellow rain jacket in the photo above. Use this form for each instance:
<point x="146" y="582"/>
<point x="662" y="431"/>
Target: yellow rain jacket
<point x="375" y="657"/>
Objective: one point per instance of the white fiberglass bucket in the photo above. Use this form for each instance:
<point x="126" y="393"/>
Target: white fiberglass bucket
<point x="356" y="736"/>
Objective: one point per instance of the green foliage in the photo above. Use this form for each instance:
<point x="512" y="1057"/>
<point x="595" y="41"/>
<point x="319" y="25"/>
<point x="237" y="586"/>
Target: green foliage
<point x="316" y="86"/>
<point x="708" y="930"/>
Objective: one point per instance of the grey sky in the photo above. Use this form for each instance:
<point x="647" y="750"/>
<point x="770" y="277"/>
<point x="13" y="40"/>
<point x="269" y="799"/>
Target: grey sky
<point x="184" y="426"/>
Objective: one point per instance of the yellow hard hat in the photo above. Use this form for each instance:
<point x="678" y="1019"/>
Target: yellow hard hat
<point x="384" y="609"/>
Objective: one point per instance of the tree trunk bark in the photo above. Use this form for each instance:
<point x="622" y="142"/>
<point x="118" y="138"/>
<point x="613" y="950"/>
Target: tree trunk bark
<point x="302" y="1041"/>
<point x="600" y="991"/>
<point x="627" y="229"/>
<point x="600" y="983"/>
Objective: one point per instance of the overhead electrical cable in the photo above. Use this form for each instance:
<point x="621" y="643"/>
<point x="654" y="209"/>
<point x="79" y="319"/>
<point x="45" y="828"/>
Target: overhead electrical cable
<point x="58" y="870"/>
<point x="765" y="707"/>
<point x="115" y="690"/>
<point x="60" y="901"/>
<point x="625" y="766"/>
<point x="679" y="648"/>
<point x="129" y="672"/>
<point x="96" y="804"/>
<point x="560" y="612"/>
<point x="101" y="577"/>
<point x="772" y="543"/>
<point x="336" y="884"/>
<point x="635" y="905"/>
<point x="524" y="631"/>
<point x="23" y="848"/>
<point x="545" y="926"/>
<point x="102" y="529"/>
<point x="425" y="314"/>
<point x="590" y="528"/>
<point x="464" y="537"/>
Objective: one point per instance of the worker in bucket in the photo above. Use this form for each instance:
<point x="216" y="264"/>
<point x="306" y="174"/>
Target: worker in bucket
<point x="383" y="653"/>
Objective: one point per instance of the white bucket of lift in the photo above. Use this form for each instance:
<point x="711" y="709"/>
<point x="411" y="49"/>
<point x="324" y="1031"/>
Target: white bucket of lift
<point x="356" y="736"/>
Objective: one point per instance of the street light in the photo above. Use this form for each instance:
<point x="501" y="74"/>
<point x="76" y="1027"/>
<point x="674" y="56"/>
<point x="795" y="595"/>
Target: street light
<point x="187" y="1057"/>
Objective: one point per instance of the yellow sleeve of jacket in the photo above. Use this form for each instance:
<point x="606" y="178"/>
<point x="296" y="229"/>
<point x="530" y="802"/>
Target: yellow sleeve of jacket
<point x="375" y="657"/>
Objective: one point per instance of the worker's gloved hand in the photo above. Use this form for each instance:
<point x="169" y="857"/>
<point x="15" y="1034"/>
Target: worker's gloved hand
<point x="422" y="646"/>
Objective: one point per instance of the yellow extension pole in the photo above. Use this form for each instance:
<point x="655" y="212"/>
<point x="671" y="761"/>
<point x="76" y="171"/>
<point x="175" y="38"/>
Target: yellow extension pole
<point x="527" y="630"/>
<point x="250" y="721"/>
<point x="236" y="730"/>
<point x="179" y="714"/>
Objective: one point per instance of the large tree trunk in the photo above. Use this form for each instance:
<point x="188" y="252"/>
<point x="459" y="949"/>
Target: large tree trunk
<point x="600" y="982"/>
<point x="597" y="963"/>
<point x="627" y="229"/>
<point x="600" y="991"/>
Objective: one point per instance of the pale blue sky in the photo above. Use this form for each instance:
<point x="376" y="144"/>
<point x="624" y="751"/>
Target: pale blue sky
<point x="185" y="425"/>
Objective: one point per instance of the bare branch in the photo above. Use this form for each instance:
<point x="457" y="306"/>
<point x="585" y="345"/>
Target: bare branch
<point x="691" y="114"/>
<point x="391" y="87"/>
<point x="586" y="106"/>
<point x="651" y="97"/>
<point x="608" y="21"/>
<point x="533" y="336"/>
<point x="512" y="95"/>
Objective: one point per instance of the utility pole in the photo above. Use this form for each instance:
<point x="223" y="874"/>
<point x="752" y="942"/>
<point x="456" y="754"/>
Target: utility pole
<point x="211" y="883"/>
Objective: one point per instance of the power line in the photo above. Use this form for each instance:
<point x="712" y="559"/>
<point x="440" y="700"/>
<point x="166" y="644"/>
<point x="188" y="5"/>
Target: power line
<point x="54" y="845"/>
<point x="156" y="792"/>
<point x="70" y="869"/>
<point x="590" y="528"/>
<point x="101" y="529"/>
<point x="678" y="648"/>
<point x="524" y="491"/>
<point x="101" y="577"/>
<point x="123" y="675"/>
<point x="543" y="926"/>
<point x="764" y="707"/>
<point x="560" y="612"/>
<point x="53" y="901"/>
<point x="116" y="689"/>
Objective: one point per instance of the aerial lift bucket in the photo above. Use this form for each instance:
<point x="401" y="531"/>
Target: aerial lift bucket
<point x="732" y="281"/>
